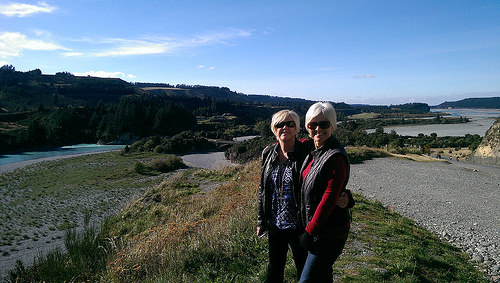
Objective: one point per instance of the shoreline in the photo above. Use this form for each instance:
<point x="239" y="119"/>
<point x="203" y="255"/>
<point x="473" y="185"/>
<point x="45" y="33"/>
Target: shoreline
<point x="21" y="164"/>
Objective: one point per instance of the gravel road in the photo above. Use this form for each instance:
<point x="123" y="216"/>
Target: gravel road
<point x="459" y="202"/>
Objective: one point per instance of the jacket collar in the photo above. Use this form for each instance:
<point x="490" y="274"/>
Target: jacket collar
<point x="330" y="143"/>
<point x="292" y="155"/>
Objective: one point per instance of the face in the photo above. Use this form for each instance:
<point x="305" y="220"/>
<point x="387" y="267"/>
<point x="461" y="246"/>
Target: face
<point x="316" y="131"/>
<point x="286" y="130"/>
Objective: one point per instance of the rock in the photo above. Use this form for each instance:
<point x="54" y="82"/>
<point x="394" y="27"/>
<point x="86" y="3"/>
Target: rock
<point x="477" y="257"/>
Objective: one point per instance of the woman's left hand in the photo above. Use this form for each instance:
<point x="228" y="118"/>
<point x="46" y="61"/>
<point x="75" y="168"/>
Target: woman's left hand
<point x="343" y="200"/>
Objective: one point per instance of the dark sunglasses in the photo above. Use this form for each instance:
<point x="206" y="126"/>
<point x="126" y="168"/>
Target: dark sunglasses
<point x="323" y="125"/>
<point x="289" y="124"/>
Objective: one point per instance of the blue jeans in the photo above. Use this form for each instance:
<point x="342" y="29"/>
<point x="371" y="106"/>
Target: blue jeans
<point x="319" y="262"/>
<point x="279" y="241"/>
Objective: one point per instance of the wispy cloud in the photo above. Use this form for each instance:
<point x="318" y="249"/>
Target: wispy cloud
<point x="23" y="10"/>
<point x="104" y="74"/>
<point x="135" y="47"/>
<point x="203" y="67"/>
<point x="365" y="77"/>
<point x="13" y="43"/>
<point x="164" y="45"/>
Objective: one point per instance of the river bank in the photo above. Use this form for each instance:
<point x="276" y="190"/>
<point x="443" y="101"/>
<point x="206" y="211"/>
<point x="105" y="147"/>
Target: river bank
<point x="38" y="204"/>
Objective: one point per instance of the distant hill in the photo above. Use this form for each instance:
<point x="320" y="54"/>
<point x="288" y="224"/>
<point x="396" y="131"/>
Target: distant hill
<point x="487" y="102"/>
<point x="27" y="91"/>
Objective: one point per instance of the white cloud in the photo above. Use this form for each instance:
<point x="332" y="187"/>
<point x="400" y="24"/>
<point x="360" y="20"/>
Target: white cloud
<point x="23" y="10"/>
<point x="203" y="67"/>
<point x="162" y="45"/>
<point x="365" y="77"/>
<point x="13" y="43"/>
<point x="104" y="74"/>
<point x="136" y="48"/>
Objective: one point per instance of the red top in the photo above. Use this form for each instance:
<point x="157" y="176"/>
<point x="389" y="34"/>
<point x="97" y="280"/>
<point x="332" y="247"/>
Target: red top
<point x="325" y="208"/>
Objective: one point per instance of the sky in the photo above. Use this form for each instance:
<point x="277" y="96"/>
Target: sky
<point x="357" y="52"/>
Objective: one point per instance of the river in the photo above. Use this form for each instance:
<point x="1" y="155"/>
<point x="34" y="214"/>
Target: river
<point x="480" y="121"/>
<point x="60" y="151"/>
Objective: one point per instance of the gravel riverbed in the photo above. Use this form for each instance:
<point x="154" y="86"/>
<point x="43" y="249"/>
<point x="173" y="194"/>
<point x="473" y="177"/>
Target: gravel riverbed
<point x="459" y="202"/>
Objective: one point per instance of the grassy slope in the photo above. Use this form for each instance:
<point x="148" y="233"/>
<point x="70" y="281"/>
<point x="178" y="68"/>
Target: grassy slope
<point x="210" y="238"/>
<point x="175" y="234"/>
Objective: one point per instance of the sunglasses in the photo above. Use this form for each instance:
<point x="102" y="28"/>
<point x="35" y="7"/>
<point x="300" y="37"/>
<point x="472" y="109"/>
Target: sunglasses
<point x="323" y="125"/>
<point x="289" y="124"/>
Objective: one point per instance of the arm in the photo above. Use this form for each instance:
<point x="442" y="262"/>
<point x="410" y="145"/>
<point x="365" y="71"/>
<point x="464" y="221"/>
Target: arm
<point x="329" y="199"/>
<point x="261" y="223"/>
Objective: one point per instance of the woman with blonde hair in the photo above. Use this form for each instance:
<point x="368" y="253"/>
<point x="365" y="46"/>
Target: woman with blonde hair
<point x="279" y="193"/>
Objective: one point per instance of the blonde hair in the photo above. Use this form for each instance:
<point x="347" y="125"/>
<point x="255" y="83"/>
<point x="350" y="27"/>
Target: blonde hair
<point x="324" y="108"/>
<point x="280" y="116"/>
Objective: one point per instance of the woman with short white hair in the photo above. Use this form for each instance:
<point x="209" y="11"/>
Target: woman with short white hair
<point x="324" y="176"/>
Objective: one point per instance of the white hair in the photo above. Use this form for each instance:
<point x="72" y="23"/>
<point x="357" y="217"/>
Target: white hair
<point x="324" y="108"/>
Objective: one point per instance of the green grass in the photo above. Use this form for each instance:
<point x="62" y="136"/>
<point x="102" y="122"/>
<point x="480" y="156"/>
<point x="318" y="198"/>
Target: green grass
<point x="167" y="235"/>
<point x="359" y="154"/>
<point x="364" y="116"/>
<point x="386" y="247"/>
<point x="40" y="200"/>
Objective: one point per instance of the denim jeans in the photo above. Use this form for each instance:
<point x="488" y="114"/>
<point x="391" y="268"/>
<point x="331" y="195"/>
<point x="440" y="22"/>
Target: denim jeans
<point x="319" y="262"/>
<point x="279" y="241"/>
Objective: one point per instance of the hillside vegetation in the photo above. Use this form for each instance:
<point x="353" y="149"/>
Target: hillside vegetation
<point x="39" y="110"/>
<point x="487" y="102"/>
<point x="490" y="145"/>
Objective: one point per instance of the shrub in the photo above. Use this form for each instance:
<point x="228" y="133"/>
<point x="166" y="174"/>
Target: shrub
<point x="166" y="164"/>
<point x="140" y="168"/>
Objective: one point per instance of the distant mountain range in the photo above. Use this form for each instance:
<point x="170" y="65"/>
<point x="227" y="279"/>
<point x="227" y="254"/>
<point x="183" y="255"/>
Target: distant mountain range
<point x="488" y="103"/>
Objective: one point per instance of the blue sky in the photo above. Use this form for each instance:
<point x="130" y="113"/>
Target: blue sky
<point x="371" y="52"/>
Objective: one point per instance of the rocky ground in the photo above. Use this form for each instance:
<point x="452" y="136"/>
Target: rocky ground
<point x="459" y="202"/>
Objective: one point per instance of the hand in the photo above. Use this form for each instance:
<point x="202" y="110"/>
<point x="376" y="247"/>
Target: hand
<point x="306" y="241"/>
<point x="343" y="200"/>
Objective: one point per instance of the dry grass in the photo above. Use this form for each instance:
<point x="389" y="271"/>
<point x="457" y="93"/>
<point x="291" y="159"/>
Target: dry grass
<point x="186" y="233"/>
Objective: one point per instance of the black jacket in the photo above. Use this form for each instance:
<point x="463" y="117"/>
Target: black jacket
<point x="269" y="156"/>
<point x="315" y="184"/>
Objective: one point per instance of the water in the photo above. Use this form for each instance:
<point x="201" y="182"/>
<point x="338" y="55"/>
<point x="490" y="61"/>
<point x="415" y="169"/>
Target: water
<point x="61" y="151"/>
<point x="480" y="121"/>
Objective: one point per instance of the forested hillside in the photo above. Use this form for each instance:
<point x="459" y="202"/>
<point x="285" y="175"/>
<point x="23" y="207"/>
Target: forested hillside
<point x="51" y="110"/>
<point x="487" y="102"/>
